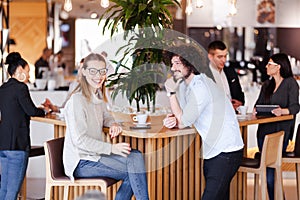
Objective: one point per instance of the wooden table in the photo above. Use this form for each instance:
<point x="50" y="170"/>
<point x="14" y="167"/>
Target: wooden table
<point x="172" y="158"/>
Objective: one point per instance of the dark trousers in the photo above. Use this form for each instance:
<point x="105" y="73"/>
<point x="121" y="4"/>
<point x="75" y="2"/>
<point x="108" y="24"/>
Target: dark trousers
<point x="218" y="172"/>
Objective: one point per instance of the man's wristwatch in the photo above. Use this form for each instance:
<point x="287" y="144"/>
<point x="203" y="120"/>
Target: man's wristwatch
<point x="170" y="93"/>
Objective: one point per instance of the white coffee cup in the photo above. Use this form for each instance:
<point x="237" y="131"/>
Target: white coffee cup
<point x="40" y="83"/>
<point x="140" y="118"/>
<point x="51" y="84"/>
<point x="242" y="110"/>
<point x="61" y="112"/>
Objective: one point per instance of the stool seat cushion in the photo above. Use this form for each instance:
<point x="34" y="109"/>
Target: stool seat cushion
<point x="290" y="155"/>
<point x="250" y="162"/>
<point x="36" y="151"/>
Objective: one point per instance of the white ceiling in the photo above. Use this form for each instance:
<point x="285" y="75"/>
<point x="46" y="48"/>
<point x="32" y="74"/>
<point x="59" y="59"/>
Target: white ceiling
<point x="81" y="8"/>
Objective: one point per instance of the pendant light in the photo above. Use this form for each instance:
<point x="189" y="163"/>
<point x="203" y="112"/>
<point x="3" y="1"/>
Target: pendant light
<point x="68" y="5"/>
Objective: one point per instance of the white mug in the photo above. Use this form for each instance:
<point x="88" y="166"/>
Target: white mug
<point x="140" y="118"/>
<point x="41" y="83"/>
<point x="242" y="110"/>
<point x="51" y="84"/>
<point x="61" y="112"/>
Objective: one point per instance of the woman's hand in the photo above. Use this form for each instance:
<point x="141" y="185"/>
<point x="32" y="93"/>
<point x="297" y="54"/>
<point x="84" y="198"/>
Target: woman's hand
<point x="236" y="103"/>
<point x="280" y="111"/>
<point x="122" y="149"/>
<point x="50" y="105"/>
<point x="46" y="110"/>
<point x="114" y="130"/>
<point x="170" y="121"/>
<point x="254" y="112"/>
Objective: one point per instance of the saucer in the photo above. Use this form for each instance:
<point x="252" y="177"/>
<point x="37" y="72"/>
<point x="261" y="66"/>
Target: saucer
<point x="36" y="89"/>
<point x="60" y="115"/>
<point x="239" y="116"/>
<point x="141" y="125"/>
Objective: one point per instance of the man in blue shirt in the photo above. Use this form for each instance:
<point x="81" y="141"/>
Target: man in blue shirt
<point x="197" y="101"/>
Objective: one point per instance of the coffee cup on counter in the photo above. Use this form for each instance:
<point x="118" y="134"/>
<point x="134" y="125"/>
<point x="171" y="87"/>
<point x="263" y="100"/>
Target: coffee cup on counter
<point x="140" y="118"/>
<point x="242" y="110"/>
<point x="61" y="113"/>
<point x="51" y="84"/>
<point x="41" y="83"/>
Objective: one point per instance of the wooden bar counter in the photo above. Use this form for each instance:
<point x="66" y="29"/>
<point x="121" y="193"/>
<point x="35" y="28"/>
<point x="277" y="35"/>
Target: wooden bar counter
<point x="172" y="158"/>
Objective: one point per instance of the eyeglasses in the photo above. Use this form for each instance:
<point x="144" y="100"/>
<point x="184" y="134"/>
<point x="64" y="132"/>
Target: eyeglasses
<point x="272" y="63"/>
<point x="94" y="71"/>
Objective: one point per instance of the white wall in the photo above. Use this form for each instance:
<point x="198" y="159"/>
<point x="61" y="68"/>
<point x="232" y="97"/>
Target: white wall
<point x="89" y="38"/>
<point x="41" y="132"/>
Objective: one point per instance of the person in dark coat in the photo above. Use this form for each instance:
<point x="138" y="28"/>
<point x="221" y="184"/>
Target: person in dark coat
<point x="16" y="108"/>
<point x="43" y="61"/>
<point x="225" y="77"/>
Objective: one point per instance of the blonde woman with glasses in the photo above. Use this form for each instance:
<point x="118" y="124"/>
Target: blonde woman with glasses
<point x="85" y="153"/>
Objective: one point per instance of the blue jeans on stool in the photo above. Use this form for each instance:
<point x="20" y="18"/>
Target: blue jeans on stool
<point x="13" y="169"/>
<point x="130" y="169"/>
<point x="218" y="172"/>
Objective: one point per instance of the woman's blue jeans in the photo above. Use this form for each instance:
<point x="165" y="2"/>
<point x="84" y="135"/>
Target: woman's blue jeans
<point x="13" y="169"/>
<point x="130" y="169"/>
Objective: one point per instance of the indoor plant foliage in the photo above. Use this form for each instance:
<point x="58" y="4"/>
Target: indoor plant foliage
<point x="143" y="23"/>
<point x="138" y="14"/>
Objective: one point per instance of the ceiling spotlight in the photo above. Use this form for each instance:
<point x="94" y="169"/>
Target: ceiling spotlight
<point x="94" y="15"/>
<point x="104" y="3"/>
<point x="189" y="8"/>
<point x="199" y="3"/>
<point x="64" y="14"/>
<point x="232" y="7"/>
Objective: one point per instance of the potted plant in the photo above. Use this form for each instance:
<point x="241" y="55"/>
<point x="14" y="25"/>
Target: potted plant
<point x="143" y="23"/>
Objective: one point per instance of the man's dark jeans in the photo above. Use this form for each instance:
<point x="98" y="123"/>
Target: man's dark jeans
<point x="218" y="172"/>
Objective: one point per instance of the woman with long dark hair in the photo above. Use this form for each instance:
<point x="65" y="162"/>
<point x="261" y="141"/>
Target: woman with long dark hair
<point x="283" y="90"/>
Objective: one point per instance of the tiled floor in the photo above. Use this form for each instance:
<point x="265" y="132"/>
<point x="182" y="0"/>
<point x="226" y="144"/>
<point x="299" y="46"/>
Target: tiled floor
<point x="36" y="189"/>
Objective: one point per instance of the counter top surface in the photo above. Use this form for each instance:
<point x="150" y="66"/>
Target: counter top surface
<point x="250" y="119"/>
<point x="159" y="131"/>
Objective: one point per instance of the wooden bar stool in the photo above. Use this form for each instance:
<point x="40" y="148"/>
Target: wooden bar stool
<point x="271" y="156"/>
<point x="294" y="158"/>
<point x="34" y="151"/>
<point x="55" y="175"/>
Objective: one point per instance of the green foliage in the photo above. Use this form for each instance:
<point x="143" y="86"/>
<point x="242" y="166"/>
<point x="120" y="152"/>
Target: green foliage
<point x="143" y="23"/>
<point x="138" y="85"/>
<point x="133" y="14"/>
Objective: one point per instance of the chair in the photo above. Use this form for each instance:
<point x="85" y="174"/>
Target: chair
<point x="271" y="156"/>
<point x="34" y="151"/>
<point x="55" y="175"/>
<point x="294" y="157"/>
